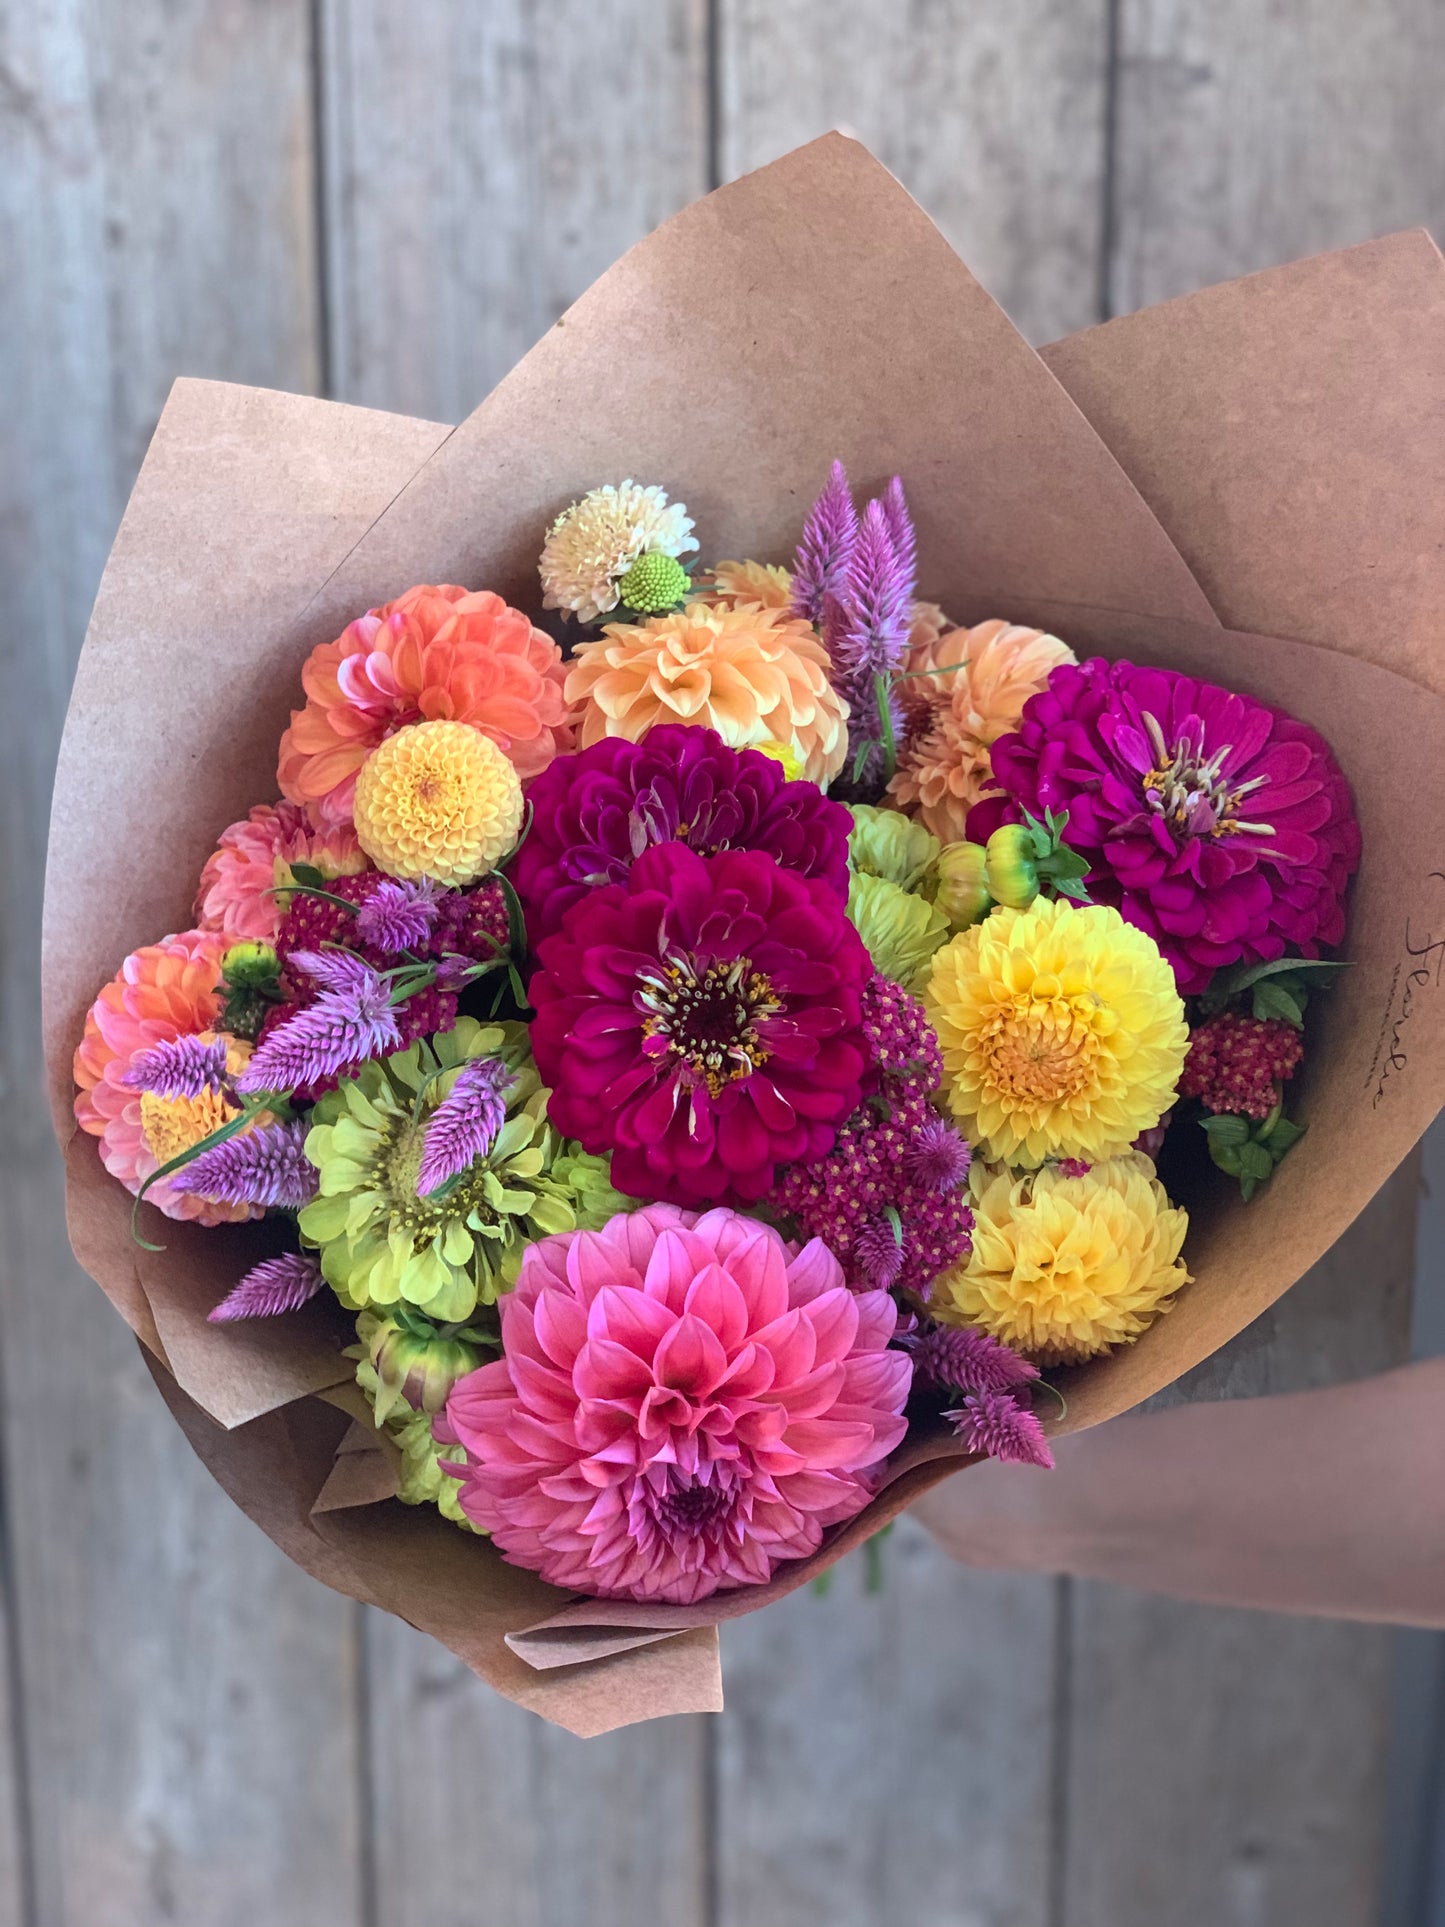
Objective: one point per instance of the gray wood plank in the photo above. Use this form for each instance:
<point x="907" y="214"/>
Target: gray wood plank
<point x="483" y="165"/>
<point x="889" y="1757"/>
<point x="993" y="117"/>
<point x="484" y="1812"/>
<point x="188" y="1698"/>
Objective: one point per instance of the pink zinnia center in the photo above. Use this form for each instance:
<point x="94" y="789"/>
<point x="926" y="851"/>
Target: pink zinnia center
<point x="1192" y="791"/>
<point x="711" y="1017"/>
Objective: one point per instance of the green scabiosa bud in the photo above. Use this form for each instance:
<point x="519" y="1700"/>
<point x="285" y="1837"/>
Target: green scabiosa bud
<point x="416" y="1362"/>
<point x="654" y="583"/>
<point x="962" y="890"/>
<point x="1011" y="867"/>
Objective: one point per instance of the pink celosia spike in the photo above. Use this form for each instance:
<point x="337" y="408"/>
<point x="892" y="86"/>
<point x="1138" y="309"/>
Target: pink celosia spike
<point x="274" y="1286"/>
<point x="823" y="553"/>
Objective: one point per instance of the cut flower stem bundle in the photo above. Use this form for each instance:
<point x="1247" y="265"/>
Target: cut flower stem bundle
<point x="687" y="1048"/>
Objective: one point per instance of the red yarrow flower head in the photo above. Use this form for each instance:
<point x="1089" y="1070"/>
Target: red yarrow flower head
<point x="1237" y="1062"/>
<point x="1222" y="827"/>
<point x="703" y="1023"/>
<point x="683" y="1403"/>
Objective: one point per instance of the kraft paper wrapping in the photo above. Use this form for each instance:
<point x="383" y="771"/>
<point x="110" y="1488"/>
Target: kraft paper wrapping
<point x="1263" y="455"/>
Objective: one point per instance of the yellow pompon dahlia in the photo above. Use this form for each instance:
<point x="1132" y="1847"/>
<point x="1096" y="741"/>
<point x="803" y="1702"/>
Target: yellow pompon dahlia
<point x="1064" y="1267"/>
<point x="437" y="800"/>
<point x="733" y="583"/>
<point x="754" y="675"/>
<point x="1063" y="1034"/>
<point x="592" y="545"/>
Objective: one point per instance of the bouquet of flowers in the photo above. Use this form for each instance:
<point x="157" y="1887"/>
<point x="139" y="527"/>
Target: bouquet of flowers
<point x="686" y="1050"/>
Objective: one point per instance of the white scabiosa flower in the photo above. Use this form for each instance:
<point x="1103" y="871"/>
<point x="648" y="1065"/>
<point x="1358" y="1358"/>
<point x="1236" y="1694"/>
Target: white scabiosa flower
<point x="592" y="545"/>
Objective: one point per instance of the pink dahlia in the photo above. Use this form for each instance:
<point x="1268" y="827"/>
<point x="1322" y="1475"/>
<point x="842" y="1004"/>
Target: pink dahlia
<point x="682" y="1404"/>
<point x="160" y="993"/>
<point x="254" y="857"/>
<point x="1222" y="827"/>
<point x="703" y="1023"/>
<point x="594" y="814"/>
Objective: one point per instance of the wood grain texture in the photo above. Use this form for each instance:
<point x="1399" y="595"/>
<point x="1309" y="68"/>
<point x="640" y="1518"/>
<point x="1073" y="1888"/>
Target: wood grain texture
<point x="992" y="117"/>
<point x="186" y="1696"/>
<point x="1249" y="134"/>
<point x="889" y="1757"/>
<point x="483" y="165"/>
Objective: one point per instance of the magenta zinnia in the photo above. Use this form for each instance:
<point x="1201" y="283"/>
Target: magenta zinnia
<point x="1222" y="827"/>
<point x="703" y="1023"/>
<point x="683" y="1403"/>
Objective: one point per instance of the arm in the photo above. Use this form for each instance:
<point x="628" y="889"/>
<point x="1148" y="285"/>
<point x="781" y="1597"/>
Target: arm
<point x="1329" y="1502"/>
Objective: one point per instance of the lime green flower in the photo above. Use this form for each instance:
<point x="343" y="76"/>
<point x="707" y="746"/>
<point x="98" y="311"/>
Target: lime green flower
<point x="381" y="1243"/>
<point x="654" y="582"/>
<point x="962" y="892"/>
<point x="416" y="1362"/>
<point x="421" y="1480"/>
<point x="892" y="846"/>
<point x="901" y="931"/>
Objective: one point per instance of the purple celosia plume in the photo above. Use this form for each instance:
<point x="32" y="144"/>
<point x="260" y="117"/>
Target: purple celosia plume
<point x="878" y="1252"/>
<point x="465" y="1124"/>
<point x="399" y="915"/>
<point x="273" y="1286"/>
<point x="947" y="1358"/>
<point x="828" y="537"/>
<point x="267" y="1166"/>
<point x="352" y="1020"/>
<point x="901" y="531"/>
<point x="179" y="1067"/>
<point x="995" y="1423"/>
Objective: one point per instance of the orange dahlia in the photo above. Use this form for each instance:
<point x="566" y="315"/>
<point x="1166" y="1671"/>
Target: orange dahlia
<point x="993" y="669"/>
<point x="439" y="653"/>
<point x="754" y="675"/>
<point x="732" y="583"/>
<point x="164" y="991"/>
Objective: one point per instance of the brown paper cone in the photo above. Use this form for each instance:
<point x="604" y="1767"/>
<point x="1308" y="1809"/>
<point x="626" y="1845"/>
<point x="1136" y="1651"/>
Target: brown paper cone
<point x="808" y="311"/>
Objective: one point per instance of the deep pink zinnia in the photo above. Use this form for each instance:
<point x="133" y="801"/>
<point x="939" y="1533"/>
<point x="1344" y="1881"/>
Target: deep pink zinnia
<point x="703" y="1023"/>
<point x="1222" y="827"/>
<point x="682" y="1404"/>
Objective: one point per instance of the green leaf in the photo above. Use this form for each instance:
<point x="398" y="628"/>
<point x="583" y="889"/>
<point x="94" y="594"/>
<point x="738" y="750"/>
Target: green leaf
<point x="1227" y="1157"/>
<point x="1247" y="1188"/>
<point x="308" y="874"/>
<point x="1255" y="1161"/>
<point x="1226" y="1128"/>
<point x="1282" y="1136"/>
<point x="1229" y="984"/>
<point x="1277" y="1000"/>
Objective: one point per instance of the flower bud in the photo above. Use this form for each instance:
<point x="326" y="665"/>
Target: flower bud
<point x="248" y="966"/>
<point x="416" y="1363"/>
<point x="1011" y="866"/>
<point x="962" y="894"/>
<point x="654" y="582"/>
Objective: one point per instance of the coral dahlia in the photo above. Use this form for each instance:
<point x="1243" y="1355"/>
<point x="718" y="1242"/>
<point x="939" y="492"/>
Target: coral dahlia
<point x="439" y="653"/>
<point x="683" y="1404"/>
<point x="237" y="894"/>
<point x="593" y="814"/>
<point x="1222" y="827"/>
<point x="702" y="1022"/>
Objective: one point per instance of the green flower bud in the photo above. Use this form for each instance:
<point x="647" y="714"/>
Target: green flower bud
<point x="654" y="583"/>
<point x="901" y="931"/>
<point x="249" y="966"/>
<point x="416" y="1363"/>
<point x="962" y="892"/>
<point x="1011" y="866"/>
<point x="887" y="844"/>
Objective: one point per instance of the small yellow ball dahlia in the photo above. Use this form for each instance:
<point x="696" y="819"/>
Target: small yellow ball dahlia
<point x="592" y="545"/>
<point x="754" y="675"/>
<point x="438" y="800"/>
<point x="1064" y="1267"/>
<point x="1063" y="1034"/>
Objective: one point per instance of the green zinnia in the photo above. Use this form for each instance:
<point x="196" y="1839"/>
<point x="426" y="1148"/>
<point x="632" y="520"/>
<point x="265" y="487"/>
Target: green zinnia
<point x="901" y="931"/>
<point x="885" y="844"/>
<point x="383" y="1244"/>
<point x="420" y="1478"/>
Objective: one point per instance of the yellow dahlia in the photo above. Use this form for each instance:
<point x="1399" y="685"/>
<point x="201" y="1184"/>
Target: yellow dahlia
<point x="993" y="669"/>
<point x="754" y="675"/>
<point x="1063" y="1267"/>
<point x="732" y="583"/>
<point x="438" y="800"/>
<point x="1063" y="1034"/>
<point x="592" y="545"/>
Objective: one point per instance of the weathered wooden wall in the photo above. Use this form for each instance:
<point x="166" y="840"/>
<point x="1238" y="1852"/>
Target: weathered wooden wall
<point x="390" y="204"/>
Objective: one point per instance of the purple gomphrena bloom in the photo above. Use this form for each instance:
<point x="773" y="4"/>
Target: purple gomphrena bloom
<point x="994" y="1423"/>
<point x="266" y="1166"/>
<point x="274" y="1286"/>
<point x="1080" y="1167"/>
<point x="878" y="1253"/>
<point x="465" y="1124"/>
<point x="948" y="1359"/>
<point x="866" y="638"/>
<point x="828" y="537"/>
<point x="938" y="1159"/>
<point x="179" y="1067"/>
<point x="351" y="1021"/>
<point x="399" y="915"/>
